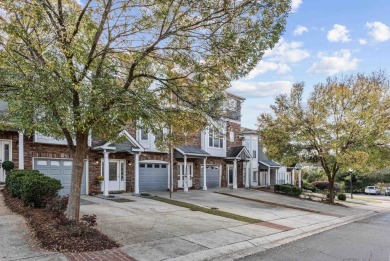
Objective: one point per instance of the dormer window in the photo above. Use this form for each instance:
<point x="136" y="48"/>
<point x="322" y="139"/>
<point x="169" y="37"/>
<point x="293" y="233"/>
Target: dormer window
<point x="215" y="138"/>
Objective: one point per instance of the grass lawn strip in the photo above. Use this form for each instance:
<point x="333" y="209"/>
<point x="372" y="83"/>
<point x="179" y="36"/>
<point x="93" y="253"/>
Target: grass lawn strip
<point x="286" y="206"/>
<point x="366" y="199"/>
<point x="215" y="212"/>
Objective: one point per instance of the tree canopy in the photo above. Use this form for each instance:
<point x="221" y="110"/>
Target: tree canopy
<point x="70" y="68"/>
<point x="343" y="124"/>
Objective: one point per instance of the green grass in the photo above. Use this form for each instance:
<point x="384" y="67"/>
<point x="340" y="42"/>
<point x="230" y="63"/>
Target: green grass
<point x="365" y="199"/>
<point x="353" y="202"/>
<point x="215" y="212"/>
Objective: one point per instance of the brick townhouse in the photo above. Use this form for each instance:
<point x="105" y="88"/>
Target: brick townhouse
<point x="219" y="156"/>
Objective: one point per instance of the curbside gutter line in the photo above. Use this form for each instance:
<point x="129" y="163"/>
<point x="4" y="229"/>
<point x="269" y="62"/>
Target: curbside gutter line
<point x="257" y="245"/>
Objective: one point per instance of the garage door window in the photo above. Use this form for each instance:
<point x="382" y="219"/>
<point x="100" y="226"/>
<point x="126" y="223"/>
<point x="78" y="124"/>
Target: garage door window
<point x="41" y="162"/>
<point x="67" y="163"/>
<point x="142" y="165"/>
<point x="163" y="166"/>
<point x="54" y="163"/>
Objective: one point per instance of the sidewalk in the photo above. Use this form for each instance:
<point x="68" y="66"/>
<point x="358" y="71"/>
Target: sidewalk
<point x="15" y="241"/>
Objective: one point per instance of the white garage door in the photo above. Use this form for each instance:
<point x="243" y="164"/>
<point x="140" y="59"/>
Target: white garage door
<point x="153" y="177"/>
<point x="60" y="169"/>
<point x="212" y="176"/>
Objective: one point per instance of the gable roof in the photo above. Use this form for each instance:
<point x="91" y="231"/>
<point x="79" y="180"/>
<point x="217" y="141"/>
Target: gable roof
<point x="238" y="152"/>
<point x="263" y="159"/>
<point x="130" y="145"/>
<point x="190" y="151"/>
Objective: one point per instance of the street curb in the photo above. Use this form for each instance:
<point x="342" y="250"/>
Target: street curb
<point x="257" y="245"/>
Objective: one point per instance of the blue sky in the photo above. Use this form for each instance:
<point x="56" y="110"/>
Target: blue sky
<point x="322" y="38"/>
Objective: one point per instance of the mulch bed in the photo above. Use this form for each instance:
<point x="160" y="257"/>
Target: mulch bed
<point x="52" y="235"/>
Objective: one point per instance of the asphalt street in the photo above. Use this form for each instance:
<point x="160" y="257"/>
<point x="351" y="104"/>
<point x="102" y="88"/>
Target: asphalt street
<point x="367" y="239"/>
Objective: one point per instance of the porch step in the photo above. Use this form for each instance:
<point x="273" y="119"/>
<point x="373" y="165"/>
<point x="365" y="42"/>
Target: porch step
<point x="116" y="192"/>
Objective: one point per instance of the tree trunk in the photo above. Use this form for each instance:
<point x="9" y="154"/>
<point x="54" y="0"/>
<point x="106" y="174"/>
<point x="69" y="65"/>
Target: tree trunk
<point x="80" y="153"/>
<point x="331" y="190"/>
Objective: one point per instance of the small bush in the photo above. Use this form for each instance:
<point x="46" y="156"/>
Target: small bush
<point x="36" y="190"/>
<point x="8" y="165"/>
<point x="324" y="185"/>
<point x="342" y="196"/>
<point x="89" y="220"/>
<point x="288" y="190"/>
<point x="14" y="180"/>
<point x="311" y="188"/>
<point x="57" y="205"/>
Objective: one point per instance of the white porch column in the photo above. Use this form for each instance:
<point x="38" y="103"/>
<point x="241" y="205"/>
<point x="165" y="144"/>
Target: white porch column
<point x="235" y="174"/>
<point x="204" y="174"/>
<point x="185" y="175"/>
<point x="299" y="178"/>
<point x="106" y="172"/>
<point x="293" y="177"/>
<point x="21" y="150"/>
<point x="247" y="174"/>
<point x="269" y="177"/>
<point x="136" y="174"/>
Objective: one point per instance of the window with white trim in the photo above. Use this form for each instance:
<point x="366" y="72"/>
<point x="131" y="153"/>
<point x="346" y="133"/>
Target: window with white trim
<point x="144" y="135"/>
<point x="254" y="154"/>
<point x="254" y="176"/>
<point x="215" y="138"/>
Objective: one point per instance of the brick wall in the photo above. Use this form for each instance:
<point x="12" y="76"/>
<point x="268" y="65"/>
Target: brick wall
<point x="236" y="129"/>
<point x="14" y="137"/>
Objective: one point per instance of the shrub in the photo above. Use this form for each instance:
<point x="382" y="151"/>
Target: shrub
<point x="36" y="190"/>
<point x="311" y="188"/>
<point x="14" y="180"/>
<point x="288" y="190"/>
<point x="89" y="220"/>
<point x="8" y="165"/>
<point x="324" y="185"/>
<point x="57" y="205"/>
<point x="342" y="196"/>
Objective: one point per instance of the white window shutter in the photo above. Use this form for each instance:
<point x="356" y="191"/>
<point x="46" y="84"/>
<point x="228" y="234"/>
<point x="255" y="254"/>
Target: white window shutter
<point x="231" y="136"/>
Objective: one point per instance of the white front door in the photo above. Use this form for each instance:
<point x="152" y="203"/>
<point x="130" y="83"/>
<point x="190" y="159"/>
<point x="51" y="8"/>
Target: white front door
<point x="229" y="174"/>
<point x="117" y="175"/>
<point x="190" y="173"/>
<point x="5" y="154"/>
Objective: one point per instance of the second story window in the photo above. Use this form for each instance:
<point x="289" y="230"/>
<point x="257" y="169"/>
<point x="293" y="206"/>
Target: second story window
<point x="215" y="138"/>
<point x="254" y="154"/>
<point x="144" y="135"/>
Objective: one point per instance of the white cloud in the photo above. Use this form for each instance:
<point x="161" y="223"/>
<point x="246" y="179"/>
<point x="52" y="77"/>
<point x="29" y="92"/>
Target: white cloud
<point x="260" y="89"/>
<point x="279" y="58"/>
<point x="362" y="41"/>
<point x="379" y="31"/>
<point x="337" y="62"/>
<point x="299" y="30"/>
<point x="295" y="5"/>
<point x="339" y="33"/>
<point x="287" y="52"/>
<point x="264" y="67"/>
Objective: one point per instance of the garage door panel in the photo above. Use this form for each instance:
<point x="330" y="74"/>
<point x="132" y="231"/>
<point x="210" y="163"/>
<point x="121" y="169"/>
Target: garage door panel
<point x="153" y="177"/>
<point x="60" y="170"/>
<point x="212" y="177"/>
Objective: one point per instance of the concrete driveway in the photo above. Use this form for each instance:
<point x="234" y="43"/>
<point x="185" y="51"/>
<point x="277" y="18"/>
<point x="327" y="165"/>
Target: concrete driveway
<point x="266" y="212"/>
<point x="152" y="230"/>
